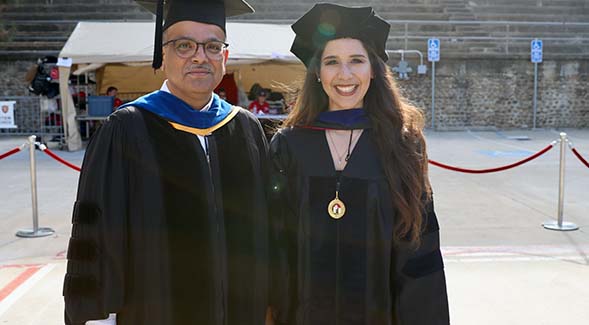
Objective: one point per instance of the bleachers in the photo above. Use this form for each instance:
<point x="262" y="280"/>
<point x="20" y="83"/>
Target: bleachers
<point x="38" y="28"/>
<point x="562" y="24"/>
<point x="288" y="11"/>
<point x="531" y="10"/>
<point x="466" y="28"/>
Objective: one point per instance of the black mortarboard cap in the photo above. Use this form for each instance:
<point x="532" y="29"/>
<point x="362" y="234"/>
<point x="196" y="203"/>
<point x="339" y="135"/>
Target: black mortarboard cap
<point x="204" y="11"/>
<point x="326" y="21"/>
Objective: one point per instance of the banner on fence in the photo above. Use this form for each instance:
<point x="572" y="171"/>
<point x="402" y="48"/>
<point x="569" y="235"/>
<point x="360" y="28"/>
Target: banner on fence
<point x="7" y="115"/>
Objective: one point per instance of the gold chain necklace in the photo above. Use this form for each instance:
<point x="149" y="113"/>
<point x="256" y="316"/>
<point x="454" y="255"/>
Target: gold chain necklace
<point x="336" y="207"/>
<point x="338" y="156"/>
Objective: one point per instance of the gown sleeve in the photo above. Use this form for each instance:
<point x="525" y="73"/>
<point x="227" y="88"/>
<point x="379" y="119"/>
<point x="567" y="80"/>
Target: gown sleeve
<point x="95" y="279"/>
<point x="281" y="220"/>
<point x="262" y="223"/>
<point x="419" y="281"/>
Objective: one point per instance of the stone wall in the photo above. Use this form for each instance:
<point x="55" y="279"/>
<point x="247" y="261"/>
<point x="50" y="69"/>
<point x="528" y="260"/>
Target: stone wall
<point x="469" y="93"/>
<point x="12" y="77"/>
<point x="499" y="94"/>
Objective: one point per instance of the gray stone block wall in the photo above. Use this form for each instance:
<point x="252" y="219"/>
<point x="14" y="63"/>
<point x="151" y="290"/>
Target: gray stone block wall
<point x="12" y="75"/>
<point x="499" y="94"/>
<point x="469" y="93"/>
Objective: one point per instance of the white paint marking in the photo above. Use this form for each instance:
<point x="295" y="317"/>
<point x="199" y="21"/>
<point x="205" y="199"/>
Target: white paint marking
<point x="24" y="287"/>
<point x="532" y="253"/>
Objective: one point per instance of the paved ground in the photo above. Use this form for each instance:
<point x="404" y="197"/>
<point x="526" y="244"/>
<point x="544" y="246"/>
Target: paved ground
<point x="502" y="266"/>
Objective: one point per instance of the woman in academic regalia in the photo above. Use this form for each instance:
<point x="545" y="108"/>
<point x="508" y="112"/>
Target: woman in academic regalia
<point x="355" y="236"/>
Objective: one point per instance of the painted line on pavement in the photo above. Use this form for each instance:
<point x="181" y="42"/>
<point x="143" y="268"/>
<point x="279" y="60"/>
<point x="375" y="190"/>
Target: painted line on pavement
<point x="19" y="266"/>
<point x="491" y="259"/>
<point x="20" y="279"/>
<point x="532" y="253"/>
<point x="21" y="284"/>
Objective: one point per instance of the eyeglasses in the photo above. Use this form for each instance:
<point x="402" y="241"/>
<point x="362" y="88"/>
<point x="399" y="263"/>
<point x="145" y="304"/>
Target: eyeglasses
<point x="186" y="48"/>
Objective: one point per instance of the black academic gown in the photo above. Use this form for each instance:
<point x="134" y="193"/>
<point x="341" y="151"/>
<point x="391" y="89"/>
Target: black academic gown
<point x="346" y="271"/>
<point x="159" y="235"/>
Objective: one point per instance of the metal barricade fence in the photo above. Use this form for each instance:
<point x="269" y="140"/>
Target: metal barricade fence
<point x="36" y="115"/>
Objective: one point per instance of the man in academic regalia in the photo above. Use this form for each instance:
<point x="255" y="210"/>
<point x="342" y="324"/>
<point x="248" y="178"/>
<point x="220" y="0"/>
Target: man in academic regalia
<point x="169" y="226"/>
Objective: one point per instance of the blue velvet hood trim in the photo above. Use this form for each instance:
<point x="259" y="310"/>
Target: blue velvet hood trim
<point x="173" y="109"/>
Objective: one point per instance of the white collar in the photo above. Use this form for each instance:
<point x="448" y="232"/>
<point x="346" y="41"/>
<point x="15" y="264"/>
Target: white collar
<point x="166" y="89"/>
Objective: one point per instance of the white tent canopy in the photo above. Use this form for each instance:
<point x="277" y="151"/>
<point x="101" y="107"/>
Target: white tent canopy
<point x="123" y="42"/>
<point x="93" y="45"/>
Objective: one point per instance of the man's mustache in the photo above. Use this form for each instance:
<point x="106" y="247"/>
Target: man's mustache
<point x="199" y="68"/>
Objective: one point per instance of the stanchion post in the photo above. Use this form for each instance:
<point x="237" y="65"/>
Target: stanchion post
<point x="36" y="231"/>
<point x="560" y="224"/>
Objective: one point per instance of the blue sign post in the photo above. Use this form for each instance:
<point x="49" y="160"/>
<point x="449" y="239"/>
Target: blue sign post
<point x="536" y="49"/>
<point x="433" y="50"/>
<point x="433" y="56"/>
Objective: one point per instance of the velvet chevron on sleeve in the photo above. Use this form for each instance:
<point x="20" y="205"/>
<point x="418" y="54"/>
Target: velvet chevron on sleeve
<point x="95" y="278"/>
<point x="418" y="279"/>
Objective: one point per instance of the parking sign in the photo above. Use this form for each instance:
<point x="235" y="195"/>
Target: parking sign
<point x="433" y="50"/>
<point x="536" y="51"/>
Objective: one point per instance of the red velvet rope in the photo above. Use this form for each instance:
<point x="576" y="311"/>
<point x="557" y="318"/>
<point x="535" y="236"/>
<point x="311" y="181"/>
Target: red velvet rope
<point x="580" y="157"/>
<point x="433" y="162"/>
<point x="56" y="157"/>
<point x="492" y="170"/>
<point x="9" y="153"/>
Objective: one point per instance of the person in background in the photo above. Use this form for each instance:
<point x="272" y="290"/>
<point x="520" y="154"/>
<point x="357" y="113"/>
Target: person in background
<point x="254" y="91"/>
<point x="114" y="91"/>
<point x="260" y="106"/>
<point x="355" y="239"/>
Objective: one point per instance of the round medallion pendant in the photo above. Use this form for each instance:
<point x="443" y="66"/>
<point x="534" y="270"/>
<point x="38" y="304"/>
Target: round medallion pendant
<point x="336" y="209"/>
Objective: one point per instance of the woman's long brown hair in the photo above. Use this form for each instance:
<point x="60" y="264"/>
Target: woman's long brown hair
<point x="397" y="131"/>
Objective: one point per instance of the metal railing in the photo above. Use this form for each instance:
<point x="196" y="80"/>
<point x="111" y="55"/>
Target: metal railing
<point x="35" y="114"/>
<point x="507" y="35"/>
